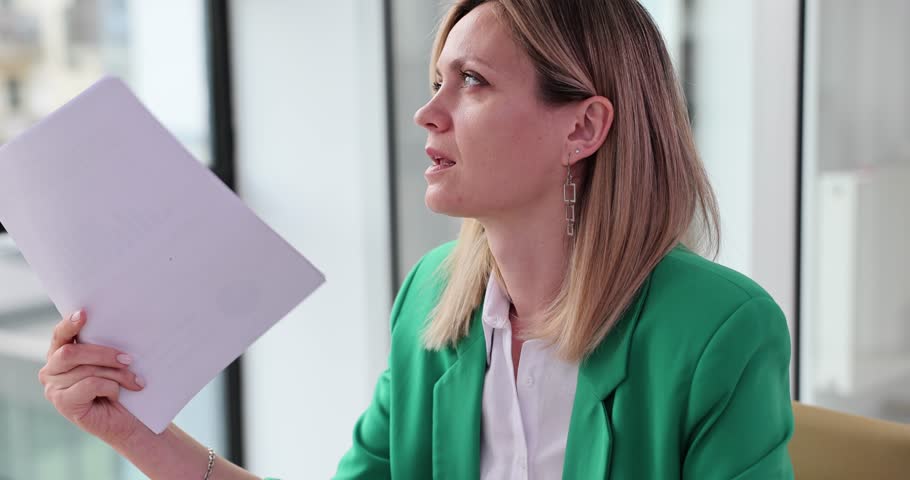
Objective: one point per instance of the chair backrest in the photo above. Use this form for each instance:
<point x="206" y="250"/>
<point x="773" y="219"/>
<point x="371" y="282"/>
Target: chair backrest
<point x="832" y="445"/>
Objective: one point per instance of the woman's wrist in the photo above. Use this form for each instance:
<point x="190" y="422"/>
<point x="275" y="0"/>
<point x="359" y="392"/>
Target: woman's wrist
<point x="170" y="454"/>
<point x="175" y="454"/>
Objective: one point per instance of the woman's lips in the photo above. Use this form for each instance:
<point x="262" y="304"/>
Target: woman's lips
<point x="441" y="162"/>
<point x="438" y="167"/>
<point x="438" y="157"/>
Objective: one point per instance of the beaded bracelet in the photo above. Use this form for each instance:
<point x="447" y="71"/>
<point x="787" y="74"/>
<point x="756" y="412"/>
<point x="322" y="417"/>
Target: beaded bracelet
<point x="211" y="464"/>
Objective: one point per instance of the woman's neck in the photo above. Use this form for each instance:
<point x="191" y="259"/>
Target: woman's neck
<point x="532" y="259"/>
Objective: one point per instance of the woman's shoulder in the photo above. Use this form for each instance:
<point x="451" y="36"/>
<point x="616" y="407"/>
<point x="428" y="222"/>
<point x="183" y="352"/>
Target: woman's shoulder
<point x="427" y="276"/>
<point x="421" y="288"/>
<point x="682" y="266"/>
<point x="690" y="298"/>
<point x="432" y="259"/>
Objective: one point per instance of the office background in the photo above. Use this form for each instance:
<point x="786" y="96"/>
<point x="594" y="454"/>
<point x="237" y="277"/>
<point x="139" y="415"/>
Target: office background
<point x="800" y="110"/>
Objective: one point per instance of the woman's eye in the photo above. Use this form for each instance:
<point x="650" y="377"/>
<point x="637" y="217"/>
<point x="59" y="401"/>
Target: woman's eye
<point x="466" y="76"/>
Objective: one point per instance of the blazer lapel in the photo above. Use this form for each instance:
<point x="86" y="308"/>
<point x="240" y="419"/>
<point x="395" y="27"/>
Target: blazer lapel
<point x="589" y="445"/>
<point x="457" y="409"/>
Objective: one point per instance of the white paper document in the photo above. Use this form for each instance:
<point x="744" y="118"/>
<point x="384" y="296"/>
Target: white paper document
<point x="115" y="216"/>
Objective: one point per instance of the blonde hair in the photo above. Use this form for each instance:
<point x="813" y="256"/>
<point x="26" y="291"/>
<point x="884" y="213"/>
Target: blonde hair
<point x="644" y="191"/>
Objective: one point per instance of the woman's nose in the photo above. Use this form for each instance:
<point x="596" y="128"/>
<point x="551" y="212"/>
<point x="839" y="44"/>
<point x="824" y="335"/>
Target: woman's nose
<point x="431" y="117"/>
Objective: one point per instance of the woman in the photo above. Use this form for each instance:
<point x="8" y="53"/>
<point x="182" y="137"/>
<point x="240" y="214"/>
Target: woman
<point x="569" y="331"/>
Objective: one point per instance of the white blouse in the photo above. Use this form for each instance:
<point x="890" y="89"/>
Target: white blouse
<point x="524" y="425"/>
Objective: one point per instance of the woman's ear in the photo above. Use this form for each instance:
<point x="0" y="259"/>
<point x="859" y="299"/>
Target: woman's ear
<point x="593" y="119"/>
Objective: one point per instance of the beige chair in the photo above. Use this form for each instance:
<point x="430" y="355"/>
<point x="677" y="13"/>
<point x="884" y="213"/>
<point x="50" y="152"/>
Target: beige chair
<point x="829" y="445"/>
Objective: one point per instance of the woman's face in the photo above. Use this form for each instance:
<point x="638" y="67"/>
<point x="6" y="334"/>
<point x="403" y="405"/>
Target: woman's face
<point x="504" y="148"/>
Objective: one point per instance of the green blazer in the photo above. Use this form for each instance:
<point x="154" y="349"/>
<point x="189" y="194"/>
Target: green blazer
<point x="693" y="383"/>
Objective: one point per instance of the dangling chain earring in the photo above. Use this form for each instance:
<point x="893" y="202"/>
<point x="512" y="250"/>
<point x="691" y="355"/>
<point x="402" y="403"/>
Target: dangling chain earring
<point x="568" y="197"/>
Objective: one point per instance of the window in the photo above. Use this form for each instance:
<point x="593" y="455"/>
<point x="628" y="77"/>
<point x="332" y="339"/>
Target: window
<point x="856" y="190"/>
<point x="49" y="52"/>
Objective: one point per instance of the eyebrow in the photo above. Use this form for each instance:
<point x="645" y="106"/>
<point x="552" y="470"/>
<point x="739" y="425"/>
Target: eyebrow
<point x="459" y="63"/>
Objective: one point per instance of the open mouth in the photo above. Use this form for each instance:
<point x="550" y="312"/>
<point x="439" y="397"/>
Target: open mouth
<point x="440" y="160"/>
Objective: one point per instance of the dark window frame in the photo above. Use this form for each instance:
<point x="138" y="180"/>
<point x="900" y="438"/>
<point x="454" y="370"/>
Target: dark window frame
<point x="221" y="114"/>
<point x="800" y="178"/>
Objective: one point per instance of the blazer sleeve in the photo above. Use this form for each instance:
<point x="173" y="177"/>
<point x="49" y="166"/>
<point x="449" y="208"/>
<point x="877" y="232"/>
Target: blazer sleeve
<point x="368" y="458"/>
<point x="739" y="414"/>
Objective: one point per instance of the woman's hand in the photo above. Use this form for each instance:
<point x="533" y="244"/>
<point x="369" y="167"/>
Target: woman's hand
<point x="83" y="383"/>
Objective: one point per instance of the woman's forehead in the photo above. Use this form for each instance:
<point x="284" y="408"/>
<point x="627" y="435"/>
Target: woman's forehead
<point x="481" y="37"/>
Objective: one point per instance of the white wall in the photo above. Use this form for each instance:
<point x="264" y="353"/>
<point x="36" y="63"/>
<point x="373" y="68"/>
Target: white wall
<point x="774" y="164"/>
<point x="722" y="75"/>
<point x="310" y="126"/>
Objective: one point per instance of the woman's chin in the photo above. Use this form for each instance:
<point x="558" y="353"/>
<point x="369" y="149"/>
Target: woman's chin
<point x="442" y="203"/>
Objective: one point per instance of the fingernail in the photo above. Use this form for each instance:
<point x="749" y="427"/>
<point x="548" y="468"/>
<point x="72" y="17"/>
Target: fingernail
<point x="76" y="317"/>
<point x="140" y="381"/>
<point x="124" y="359"/>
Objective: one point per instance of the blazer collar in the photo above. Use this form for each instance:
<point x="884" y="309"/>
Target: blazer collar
<point x="457" y="399"/>
<point x="607" y="365"/>
<point x="589" y="446"/>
